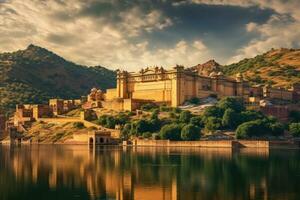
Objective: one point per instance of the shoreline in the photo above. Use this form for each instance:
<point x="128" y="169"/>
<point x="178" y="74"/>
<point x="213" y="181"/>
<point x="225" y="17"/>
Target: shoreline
<point x="230" y="144"/>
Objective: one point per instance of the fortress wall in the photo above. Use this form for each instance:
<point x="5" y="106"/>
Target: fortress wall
<point x="218" y="144"/>
<point x="253" y="143"/>
<point x="222" y="144"/>
<point x="153" y="90"/>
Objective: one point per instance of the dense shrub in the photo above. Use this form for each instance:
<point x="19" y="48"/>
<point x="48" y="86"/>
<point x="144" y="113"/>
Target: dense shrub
<point x="110" y="122"/>
<point x="213" y="123"/>
<point x="102" y="120"/>
<point x="155" y="114"/>
<point x="176" y="110"/>
<point x="194" y="100"/>
<point x="230" y="119"/>
<point x="260" y="127"/>
<point x="142" y="126"/>
<point x="212" y="111"/>
<point x="170" y="132"/>
<point x="294" y="116"/>
<point x="107" y="121"/>
<point x="90" y="115"/>
<point x="249" y="129"/>
<point x="165" y="108"/>
<point x="233" y="103"/>
<point x="149" y="106"/>
<point x="294" y="129"/>
<point x="185" y="116"/>
<point x="197" y="121"/>
<point x="126" y="131"/>
<point x="78" y="125"/>
<point x="276" y="128"/>
<point x="250" y="115"/>
<point x="190" y="132"/>
<point x="122" y="119"/>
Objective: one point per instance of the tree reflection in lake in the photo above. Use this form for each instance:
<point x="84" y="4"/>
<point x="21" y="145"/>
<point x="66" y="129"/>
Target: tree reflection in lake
<point x="77" y="172"/>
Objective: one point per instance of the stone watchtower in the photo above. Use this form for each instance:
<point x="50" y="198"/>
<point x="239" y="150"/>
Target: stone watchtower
<point x="242" y="86"/>
<point x="122" y="84"/>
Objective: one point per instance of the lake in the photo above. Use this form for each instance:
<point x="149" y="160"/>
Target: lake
<point x="77" y="172"/>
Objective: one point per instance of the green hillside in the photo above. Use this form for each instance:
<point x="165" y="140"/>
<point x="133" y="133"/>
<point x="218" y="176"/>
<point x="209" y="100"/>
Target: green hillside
<point x="277" y="67"/>
<point x="35" y="74"/>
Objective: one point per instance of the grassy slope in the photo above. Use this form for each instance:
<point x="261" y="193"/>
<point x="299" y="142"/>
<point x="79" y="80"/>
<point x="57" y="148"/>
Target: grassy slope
<point x="50" y="132"/>
<point x="278" y="67"/>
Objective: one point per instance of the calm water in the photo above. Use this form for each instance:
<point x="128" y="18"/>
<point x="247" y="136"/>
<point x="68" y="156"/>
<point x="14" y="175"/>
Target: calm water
<point x="76" y="172"/>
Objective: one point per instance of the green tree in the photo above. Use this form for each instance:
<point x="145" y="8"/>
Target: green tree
<point x="212" y="111"/>
<point x="294" y="116"/>
<point x="197" y="121"/>
<point x="102" y="120"/>
<point x="249" y="129"/>
<point x="230" y="119"/>
<point x="126" y="131"/>
<point x="149" y="106"/>
<point x="185" y="116"/>
<point x="122" y="119"/>
<point x="213" y="123"/>
<point x="170" y="132"/>
<point x="276" y="128"/>
<point x="142" y="126"/>
<point x="194" y="100"/>
<point x="154" y="125"/>
<point x="155" y="114"/>
<point x="250" y="115"/>
<point x="78" y="125"/>
<point x="190" y="132"/>
<point x="110" y="122"/>
<point x="234" y="103"/>
<point x="294" y="129"/>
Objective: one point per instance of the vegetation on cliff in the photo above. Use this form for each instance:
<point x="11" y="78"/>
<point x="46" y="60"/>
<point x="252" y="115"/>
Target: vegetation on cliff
<point x="277" y="67"/>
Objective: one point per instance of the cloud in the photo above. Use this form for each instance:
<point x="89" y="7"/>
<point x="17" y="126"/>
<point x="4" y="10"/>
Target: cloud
<point x="65" y="28"/>
<point x="281" y="30"/>
<point x="278" y="32"/>
<point x="133" y="34"/>
<point x="250" y="27"/>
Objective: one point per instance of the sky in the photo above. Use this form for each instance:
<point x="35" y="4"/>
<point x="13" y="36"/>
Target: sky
<point x="132" y="34"/>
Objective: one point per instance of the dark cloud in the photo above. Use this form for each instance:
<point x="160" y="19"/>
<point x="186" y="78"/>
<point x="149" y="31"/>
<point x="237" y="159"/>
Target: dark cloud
<point x="65" y="39"/>
<point x="138" y="32"/>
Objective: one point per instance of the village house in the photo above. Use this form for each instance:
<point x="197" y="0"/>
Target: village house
<point x="27" y="113"/>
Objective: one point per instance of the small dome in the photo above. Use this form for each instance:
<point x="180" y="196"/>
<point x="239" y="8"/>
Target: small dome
<point x="94" y="90"/>
<point x="99" y="91"/>
<point x="212" y="74"/>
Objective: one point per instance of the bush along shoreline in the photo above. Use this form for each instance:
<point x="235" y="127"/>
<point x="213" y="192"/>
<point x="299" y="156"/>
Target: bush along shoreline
<point x="228" y="115"/>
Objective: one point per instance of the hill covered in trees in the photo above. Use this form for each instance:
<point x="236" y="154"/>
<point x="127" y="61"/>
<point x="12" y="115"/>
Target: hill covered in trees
<point x="277" y="67"/>
<point x="35" y="74"/>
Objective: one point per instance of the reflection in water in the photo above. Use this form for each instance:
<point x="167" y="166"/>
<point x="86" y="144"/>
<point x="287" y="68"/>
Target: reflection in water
<point x="76" y="172"/>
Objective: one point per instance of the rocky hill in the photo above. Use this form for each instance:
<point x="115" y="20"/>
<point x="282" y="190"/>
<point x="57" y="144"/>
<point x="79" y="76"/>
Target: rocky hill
<point x="35" y="74"/>
<point x="277" y="67"/>
<point x="206" y="68"/>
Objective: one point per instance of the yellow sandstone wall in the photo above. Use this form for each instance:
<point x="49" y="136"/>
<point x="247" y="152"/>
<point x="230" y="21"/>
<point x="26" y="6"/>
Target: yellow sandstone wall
<point x="111" y="94"/>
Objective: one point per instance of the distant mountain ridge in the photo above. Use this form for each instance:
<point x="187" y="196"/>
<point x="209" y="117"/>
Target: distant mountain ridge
<point x="35" y="74"/>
